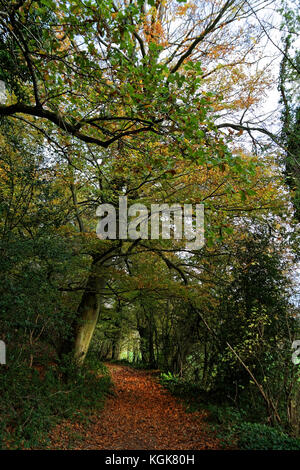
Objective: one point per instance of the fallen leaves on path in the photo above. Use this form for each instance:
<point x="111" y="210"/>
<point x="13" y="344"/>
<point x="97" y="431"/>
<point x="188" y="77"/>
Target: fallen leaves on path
<point x="141" y="415"/>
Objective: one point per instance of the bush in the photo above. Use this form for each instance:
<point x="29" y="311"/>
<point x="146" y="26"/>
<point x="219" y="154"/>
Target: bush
<point x="225" y="415"/>
<point x="254" y="436"/>
<point x="192" y="393"/>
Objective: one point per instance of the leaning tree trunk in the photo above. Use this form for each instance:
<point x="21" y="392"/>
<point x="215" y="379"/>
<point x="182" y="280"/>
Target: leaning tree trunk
<point x="86" y="318"/>
<point x="88" y="314"/>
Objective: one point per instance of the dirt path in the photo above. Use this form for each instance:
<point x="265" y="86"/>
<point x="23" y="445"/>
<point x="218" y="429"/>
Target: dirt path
<point x="142" y="416"/>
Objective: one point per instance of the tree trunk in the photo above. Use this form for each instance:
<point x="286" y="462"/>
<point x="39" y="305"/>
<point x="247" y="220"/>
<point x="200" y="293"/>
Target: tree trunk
<point x="88" y="314"/>
<point x="152" y="361"/>
<point x="116" y="350"/>
<point x="83" y="326"/>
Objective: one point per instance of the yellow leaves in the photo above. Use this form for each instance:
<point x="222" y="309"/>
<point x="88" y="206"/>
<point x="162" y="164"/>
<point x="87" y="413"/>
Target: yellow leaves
<point x="64" y="41"/>
<point x="218" y="51"/>
<point x="56" y="201"/>
<point x="182" y="9"/>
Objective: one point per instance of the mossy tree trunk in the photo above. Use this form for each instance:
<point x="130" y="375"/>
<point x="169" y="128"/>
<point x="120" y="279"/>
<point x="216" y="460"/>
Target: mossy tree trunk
<point x="88" y="314"/>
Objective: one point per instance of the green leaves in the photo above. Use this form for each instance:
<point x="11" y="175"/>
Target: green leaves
<point x="49" y="3"/>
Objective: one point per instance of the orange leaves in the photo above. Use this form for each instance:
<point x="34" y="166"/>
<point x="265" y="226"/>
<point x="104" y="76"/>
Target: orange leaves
<point x="141" y="416"/>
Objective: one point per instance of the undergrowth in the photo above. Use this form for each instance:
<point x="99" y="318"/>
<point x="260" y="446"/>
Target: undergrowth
<point x="33" y="400"/>
<point x="233" y="426"/>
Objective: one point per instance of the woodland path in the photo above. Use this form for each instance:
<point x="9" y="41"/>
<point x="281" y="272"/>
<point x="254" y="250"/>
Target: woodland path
<point x="141" y="415"/>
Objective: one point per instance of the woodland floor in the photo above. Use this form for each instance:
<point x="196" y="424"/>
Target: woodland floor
<point x="140" y="415"/>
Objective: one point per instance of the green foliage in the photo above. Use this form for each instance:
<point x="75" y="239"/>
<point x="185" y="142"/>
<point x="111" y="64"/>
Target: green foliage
<point x="192" y="394"/>
<point x="255" y="320"/>
<point x="225" y="414"/>
<point x="233" y="429"/>
<point x="230" y="422"/>
<point x="172" y="382"/>
<point x="32" y="310"/>
<point x="289" y="90"/>
<point x="255" y="436"/>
